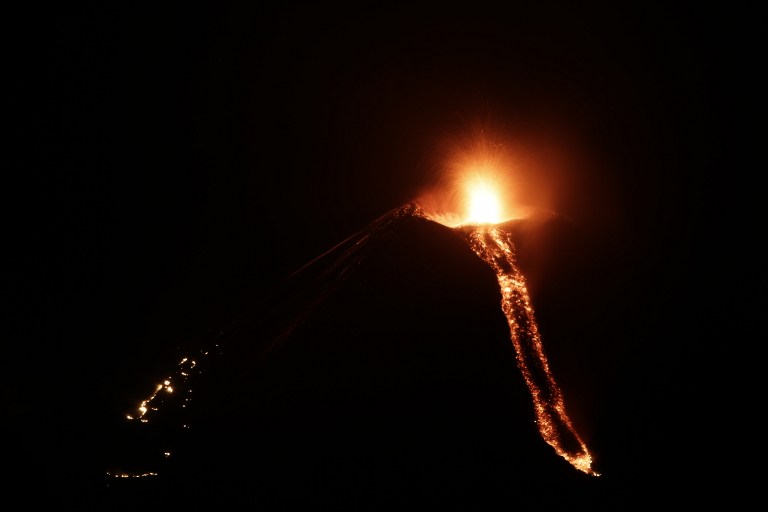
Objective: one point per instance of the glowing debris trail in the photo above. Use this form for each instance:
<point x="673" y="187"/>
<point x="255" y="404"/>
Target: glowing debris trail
<point x="495" y="247"/>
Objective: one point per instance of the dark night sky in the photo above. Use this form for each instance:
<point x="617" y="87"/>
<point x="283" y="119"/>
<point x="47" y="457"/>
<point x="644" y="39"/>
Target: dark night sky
<point x="169" y="163"/>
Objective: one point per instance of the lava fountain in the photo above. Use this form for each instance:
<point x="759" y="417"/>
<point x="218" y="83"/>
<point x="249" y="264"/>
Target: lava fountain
<point x="482" y="228"/>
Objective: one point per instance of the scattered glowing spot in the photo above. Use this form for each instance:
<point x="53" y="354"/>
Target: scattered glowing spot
<point x="131" y="475"/>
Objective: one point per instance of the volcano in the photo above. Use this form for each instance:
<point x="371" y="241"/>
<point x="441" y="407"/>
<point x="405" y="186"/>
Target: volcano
<point x="379" y="375"/>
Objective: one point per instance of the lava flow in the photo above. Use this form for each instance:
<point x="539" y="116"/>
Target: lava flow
<point x="483" y="232"/>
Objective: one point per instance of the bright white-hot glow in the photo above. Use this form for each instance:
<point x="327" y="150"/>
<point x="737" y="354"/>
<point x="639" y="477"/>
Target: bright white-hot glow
<point x="484" y="206"/>
<point x="483" y="180"/>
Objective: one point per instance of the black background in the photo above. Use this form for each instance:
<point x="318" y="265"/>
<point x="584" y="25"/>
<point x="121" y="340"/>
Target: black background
<point x="168" y="163"/>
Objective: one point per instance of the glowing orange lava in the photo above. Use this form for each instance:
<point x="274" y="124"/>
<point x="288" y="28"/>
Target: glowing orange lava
<point x="495" y="247"/>
<point x="479" y="225"/>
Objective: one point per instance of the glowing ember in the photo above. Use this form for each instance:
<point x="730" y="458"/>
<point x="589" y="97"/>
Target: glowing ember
<point x="163" y="397"/>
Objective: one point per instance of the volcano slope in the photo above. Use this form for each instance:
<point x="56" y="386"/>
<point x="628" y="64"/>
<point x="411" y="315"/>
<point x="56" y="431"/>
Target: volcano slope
<point x="379" y="375"/>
